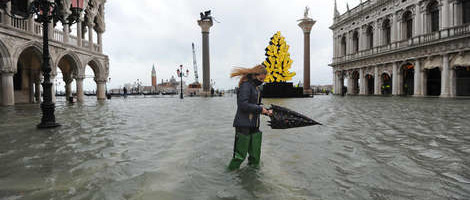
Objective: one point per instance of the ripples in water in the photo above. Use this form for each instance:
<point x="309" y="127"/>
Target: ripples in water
<point x="165" y="148"/>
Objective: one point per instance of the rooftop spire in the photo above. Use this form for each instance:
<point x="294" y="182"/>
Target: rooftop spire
<point x="347" y="6"/>
<point x="336" y="13"/>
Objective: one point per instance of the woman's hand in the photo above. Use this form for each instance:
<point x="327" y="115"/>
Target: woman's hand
<point x="267" y="112"/>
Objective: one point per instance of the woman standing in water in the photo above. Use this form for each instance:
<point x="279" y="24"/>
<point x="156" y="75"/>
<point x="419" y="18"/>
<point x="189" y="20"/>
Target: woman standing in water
<point x="246" y="122"/>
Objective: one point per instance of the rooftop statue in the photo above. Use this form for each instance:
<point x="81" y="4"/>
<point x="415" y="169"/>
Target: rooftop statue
<point x="206" y="15"/>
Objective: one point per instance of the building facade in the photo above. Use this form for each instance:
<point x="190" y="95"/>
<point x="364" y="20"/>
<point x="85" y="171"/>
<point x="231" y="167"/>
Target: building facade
<point x="71" y="52"/>
<point x="403" y="47"/>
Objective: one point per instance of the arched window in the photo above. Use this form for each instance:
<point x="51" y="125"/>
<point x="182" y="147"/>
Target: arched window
<point x="387" y="31"/>
<point x="370" y="37"/>
<point x="466" y="11"/>
<point x="433" y="13"/>
<point x="408" y="25"/>
<point x="355" y="41"/>
<point x="343" y="46"/>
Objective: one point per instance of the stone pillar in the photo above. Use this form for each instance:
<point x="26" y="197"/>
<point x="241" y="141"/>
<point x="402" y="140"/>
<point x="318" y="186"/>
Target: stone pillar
<point x="30" y="20"/>
<point x="445" y="14"/>
<point x="395" y="79"/>
<point x="394" y="33"/>
<point x="66" y="33"/>
<point x="377" y="81"/>
<point x="5" y="16"/>
<point x="418" y="21"/>
<point x="362" y="85"/>
<point x="452" y="82"/>
<point x="306" y="24"/>
<point x="334" y="82"/>
<point x="350" y="85"/>
<point x="101" y="89"/>
<point x="90" y="36"/>
<point x="79" y="83"/>
<point x="53" y="89"/>
<point x="79" y="33"/>
<point x="38" y="90"/>
<point x="8" y="92"/>
<point x="417" y="79"/>
<point x="68" y="88"/>
<point x="378" y="34"/>
<point x="445" y="89"/>
<point x="362" y="39"/>
<point x="205" y="25"/>
<point x="100" y="42"/>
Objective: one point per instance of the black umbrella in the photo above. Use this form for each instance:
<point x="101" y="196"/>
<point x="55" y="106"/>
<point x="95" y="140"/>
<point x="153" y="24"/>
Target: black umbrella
<point x="283" y="118"/>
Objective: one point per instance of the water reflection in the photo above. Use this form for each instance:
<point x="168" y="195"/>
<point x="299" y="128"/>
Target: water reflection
<point x="165" y="148"/>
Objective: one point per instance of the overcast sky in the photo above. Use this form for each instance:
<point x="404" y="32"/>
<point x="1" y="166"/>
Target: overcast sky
<point x="160" y="32"/>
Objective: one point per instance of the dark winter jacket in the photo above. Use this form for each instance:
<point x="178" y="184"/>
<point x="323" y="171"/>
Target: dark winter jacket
<point x="249" y="106"/>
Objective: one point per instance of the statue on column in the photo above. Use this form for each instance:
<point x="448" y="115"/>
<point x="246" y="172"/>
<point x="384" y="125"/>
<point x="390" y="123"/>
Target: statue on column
<point x="306" y="12"/>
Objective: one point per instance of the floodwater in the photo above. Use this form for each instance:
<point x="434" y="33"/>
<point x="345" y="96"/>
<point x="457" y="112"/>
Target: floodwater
<point x="166" y="148"/>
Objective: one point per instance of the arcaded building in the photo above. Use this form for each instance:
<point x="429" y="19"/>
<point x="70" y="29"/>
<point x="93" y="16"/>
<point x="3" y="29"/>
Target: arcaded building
<point x="403" y="47"/>
<point x="72" y="49"/>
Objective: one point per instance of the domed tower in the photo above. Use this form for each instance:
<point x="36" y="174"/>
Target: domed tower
<point x="154" y="77"/>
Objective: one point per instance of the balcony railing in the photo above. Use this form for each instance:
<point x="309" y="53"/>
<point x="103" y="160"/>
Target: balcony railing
<point x="448" y="33"/>
<point x="36" y="29"/>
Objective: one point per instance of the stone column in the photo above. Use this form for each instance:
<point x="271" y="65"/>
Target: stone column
<point x="306" y="24"/>
<point x="38" y="90"/>
<point x="100" y="42"/>
<point x="5" y="16"/>
<point x="66" y="33"/>
<point x="90" y="36"/>
<point x="30" y="20"/>
<point x="350" y="85"/>
<point x="205" y="25"/>
<point x="79" y="33"/>
<point x="395" y="79"/>
<point x="445" y="14"/>
<point x="445" y="76"/>
<point x="417" y="79"/>
<point x="79" y="83"/>
<point x="334" y="82"/>
<point x="68" y="88"/>
<point x="378" y="35"/>
<point x="417" y="22"/>
<point x="394" y="33"/>
<point x="101" y="89"/>
<point x="452" y="82"/>
<point x="53" y="89"/>
<point x="362" y="84"/>
<point x="377" y="81"/>
<point x="8" y="92"/>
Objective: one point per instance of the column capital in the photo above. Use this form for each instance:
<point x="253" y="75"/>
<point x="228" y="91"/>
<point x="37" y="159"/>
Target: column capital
<point x="306" y="24"/>
<point x="205" y="24"/>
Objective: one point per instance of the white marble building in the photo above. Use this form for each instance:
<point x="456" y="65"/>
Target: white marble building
<point x="403" y="47"/>
<point x="21" y="53"/>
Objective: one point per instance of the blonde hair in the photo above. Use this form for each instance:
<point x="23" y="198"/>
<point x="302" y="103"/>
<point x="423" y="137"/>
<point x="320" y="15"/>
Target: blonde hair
<point x="244" y="73"/>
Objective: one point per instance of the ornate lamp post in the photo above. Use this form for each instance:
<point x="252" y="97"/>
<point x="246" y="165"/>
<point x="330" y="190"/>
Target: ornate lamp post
<point x="47" y="11"/>
<point x="181" y="74"/>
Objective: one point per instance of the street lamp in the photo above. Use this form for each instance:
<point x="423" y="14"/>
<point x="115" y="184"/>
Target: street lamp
<point x="181" y="74"/>
<point x="47" y="11"/>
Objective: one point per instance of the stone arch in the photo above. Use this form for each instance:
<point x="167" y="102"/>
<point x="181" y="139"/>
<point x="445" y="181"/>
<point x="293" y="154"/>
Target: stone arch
<point x="369" y="79"/>
<point x="72" y="56"/>
<point x="407" y="70"/>
<point x="36" y="46"/>
<point x="5" y="62"/>
<point x="27" y="65"/>
<point x="97" y="68"/>
<point x="386" y="83"/>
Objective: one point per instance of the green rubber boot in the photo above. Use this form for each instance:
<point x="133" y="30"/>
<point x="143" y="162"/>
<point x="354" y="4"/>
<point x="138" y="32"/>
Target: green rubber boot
<point x="254" y="150"/>
<point x="242" y="142"/>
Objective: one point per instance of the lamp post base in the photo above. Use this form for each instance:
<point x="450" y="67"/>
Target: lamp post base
<point x="45" y="125"/>
<point x="48" y="117"/>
